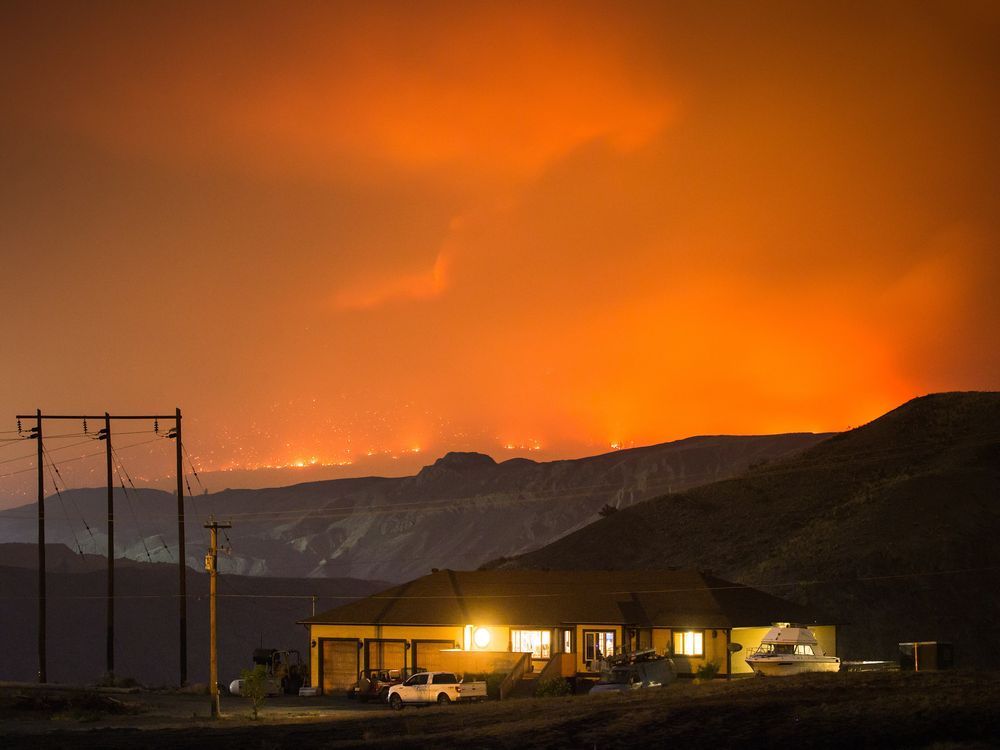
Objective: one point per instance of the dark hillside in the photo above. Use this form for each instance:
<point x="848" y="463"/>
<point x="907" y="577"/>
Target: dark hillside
<point x="910" y="502"/>
<point x="253" y="611"/>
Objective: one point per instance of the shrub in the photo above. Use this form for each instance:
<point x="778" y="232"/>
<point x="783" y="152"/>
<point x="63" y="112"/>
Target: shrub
<point x="255" y="687"/>
<point x="707" y="671"/>
<point x="553" y="687"/>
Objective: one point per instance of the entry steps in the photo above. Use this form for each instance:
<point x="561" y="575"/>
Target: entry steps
<point x="525" y="687"/>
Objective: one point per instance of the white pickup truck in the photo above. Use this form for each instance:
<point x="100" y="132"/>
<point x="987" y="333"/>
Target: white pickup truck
<point x="442" y="688"/>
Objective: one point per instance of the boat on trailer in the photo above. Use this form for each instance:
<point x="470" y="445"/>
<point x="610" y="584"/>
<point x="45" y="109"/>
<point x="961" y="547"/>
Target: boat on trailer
<point x="790" y="649"/>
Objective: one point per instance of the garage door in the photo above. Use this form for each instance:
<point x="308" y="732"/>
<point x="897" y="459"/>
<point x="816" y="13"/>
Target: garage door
<point x="383" y="654"/>
<point x="339" y="666"/>
<point x="427" y="655"/>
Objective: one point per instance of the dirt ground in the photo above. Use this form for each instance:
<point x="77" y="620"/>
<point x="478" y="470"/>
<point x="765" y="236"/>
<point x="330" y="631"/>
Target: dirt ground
<point x="933" y="710"/>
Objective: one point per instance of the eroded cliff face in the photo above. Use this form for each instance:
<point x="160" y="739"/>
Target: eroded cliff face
<point x="460" y="512"/>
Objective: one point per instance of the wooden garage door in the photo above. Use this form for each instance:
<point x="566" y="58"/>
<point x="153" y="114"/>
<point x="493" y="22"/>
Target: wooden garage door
<point x="339" y="666"/>
<point x="427" y="655"/>
<point x="383" y="654"/>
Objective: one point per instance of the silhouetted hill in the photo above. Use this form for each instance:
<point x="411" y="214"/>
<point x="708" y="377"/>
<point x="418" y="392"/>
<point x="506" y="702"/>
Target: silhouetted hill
<point x="460" y="512"/>
<point x="891" y="528"/>
<point x="252" y="611"/>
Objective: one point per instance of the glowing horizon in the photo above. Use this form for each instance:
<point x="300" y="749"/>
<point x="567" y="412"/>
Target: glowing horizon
<point x="334" y="230"/>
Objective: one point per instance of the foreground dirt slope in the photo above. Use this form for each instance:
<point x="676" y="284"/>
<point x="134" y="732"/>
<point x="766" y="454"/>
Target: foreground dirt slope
<point x="868" y="710"/>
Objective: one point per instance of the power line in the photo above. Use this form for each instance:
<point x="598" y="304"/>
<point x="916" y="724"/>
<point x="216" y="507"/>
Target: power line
<point x="53" y="450"/>
<point x="191" y="464"/>
<point x="77" y="458"/>
<point x="63" y="505"/>
<point x="119" y="469"/>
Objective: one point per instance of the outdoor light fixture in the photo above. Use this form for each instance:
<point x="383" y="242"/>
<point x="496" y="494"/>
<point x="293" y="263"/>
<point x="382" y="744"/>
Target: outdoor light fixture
<point x="481" y="637"/>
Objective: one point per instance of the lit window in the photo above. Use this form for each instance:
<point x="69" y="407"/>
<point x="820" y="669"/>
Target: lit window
<point x="689" y="643"/>
<point x="567" y="642"/>
<point x="536" y="642"/>
<point x="598" y="644"/>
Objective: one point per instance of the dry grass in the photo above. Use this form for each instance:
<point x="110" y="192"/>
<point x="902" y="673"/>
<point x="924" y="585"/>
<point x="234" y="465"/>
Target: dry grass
<point x="945" y="710"/>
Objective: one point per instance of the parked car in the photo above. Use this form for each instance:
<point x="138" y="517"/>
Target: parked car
<point x="635" y="676"/>
<point x="374" y="684"/>
<point x="442" y="688"/>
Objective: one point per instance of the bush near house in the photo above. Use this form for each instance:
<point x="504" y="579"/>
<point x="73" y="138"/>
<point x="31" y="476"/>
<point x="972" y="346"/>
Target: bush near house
<point x="553" y="687"/>
<point x="708" y="671"/>
<point x="255" y="687"/>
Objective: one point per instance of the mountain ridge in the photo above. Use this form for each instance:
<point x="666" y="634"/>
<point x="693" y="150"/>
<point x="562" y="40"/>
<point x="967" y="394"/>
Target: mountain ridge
<point x="459" y="512"/>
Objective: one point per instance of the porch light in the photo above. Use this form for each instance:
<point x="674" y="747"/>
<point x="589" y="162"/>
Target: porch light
<point x="481" y="637"/>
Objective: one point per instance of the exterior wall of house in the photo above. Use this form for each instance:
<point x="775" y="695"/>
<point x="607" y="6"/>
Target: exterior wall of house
<point x="449" y="635"/>
<point x="750" y="639"/>
<point x="477" y="662"/>
<point x="715" y="647"/>
<point x="434" y="647"/>
<point x="499" y="638"/>
<point x="661" y="640"/>
<point x="443" y="647"/>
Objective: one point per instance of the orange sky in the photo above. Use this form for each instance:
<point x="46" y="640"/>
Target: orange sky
<point x="326" y="229"/>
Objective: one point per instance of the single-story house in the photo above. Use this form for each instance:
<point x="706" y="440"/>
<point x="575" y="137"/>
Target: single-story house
<point x="485" y="620"/>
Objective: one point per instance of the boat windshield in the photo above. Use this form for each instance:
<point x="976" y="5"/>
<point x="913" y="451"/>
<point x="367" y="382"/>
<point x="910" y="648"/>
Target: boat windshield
<point x="775" y="649"/>
<point x="785" y="649"/>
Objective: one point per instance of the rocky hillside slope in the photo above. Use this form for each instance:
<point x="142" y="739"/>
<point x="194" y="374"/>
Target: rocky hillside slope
<point x="460" y="512"/>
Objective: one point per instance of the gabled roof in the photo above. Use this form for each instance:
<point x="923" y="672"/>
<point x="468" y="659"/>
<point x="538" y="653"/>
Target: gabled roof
<point x="549" y="598"/>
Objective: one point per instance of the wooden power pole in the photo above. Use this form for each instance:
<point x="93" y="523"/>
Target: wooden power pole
<point x="212" y="565"/>
<point x="36" y="433"/>
<point x="175" y="433"/>
<point x="105" y="435"/>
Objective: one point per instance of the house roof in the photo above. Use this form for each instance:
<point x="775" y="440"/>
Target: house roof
<point x="548" y="598"/>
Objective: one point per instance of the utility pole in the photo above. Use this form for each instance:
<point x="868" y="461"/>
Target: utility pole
<point x="36" y="433"/>
<point x="181" y="551"/>
<point x="105" y="435"/>
<point x="212" y="566"/>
